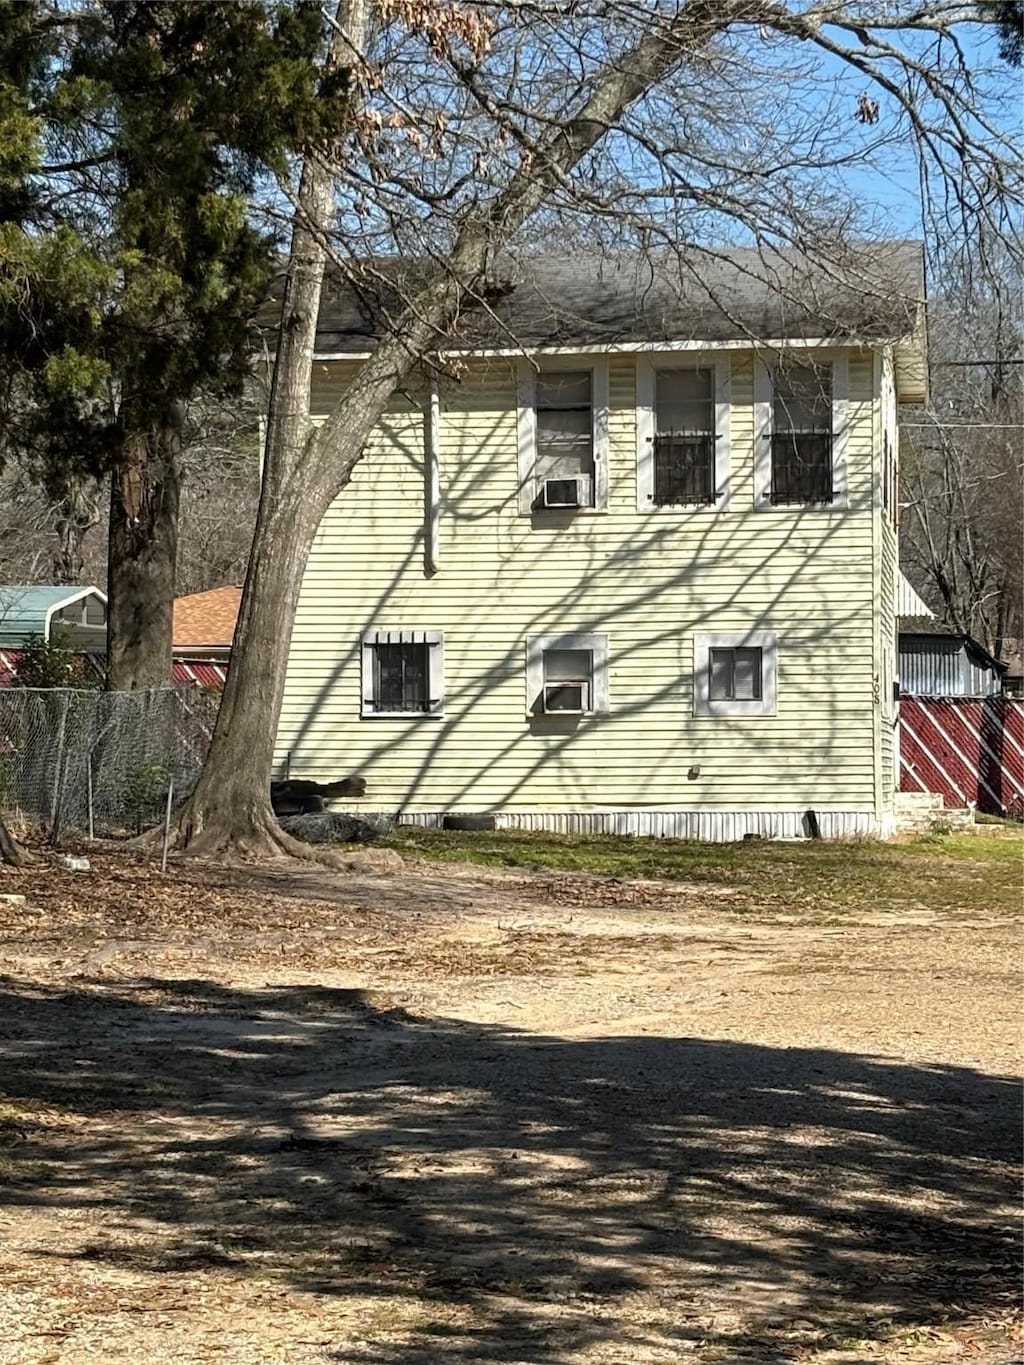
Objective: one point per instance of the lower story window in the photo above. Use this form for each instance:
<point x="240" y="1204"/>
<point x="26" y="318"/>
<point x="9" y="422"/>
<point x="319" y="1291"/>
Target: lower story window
<point x="734" y="674"/>
<point x="403" y="673"/>
<point x="401" y="677"/>
<point x="568" y="678"/>
<point x="567" y="675"/>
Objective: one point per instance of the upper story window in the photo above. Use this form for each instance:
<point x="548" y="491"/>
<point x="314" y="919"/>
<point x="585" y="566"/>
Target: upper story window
<point x="563" y="436"/>
<point x="564" y="408"/>
<point x="684" y="437"/>
<point x="682" y="432"/>
<point x="800" y="456"/>
<point x="802" y="435"/>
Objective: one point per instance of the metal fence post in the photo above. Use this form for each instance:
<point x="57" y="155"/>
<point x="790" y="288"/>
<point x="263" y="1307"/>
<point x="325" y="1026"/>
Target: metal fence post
<point x="58" y="779"/>
<point x="167" y="824"/>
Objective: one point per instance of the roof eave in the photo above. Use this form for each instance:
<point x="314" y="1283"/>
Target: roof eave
<point x="695" y="344"/>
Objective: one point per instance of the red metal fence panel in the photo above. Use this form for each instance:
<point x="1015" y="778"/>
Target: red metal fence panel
<point x="969" y="750"/>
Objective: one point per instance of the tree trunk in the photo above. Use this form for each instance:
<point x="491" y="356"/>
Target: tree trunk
<point x="305" y="469"/>
<point x="142" y="555"/>
<point x="11" y="851"/>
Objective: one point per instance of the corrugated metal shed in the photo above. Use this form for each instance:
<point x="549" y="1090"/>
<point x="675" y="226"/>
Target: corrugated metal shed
<point x="27" y="609"/>
<point x="937" y="662"/>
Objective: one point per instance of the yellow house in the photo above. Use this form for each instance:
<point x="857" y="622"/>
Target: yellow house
<point x="626" y="560"/>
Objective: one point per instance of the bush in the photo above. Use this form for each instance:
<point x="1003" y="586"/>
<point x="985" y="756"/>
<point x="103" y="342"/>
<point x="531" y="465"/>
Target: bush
<point x="51" y="663"/>
<point x="144" y="794"/>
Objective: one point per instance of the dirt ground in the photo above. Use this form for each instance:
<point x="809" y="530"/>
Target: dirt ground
<point x="456" y="1115"/>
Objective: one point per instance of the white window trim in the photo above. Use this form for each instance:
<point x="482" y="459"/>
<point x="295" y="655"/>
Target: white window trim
<point x="646" y="370"/>
<point x="766" y="704"/>
<point x="435" y="680"/>
<point x="539" y="645"/>
<point x="763" y="427"/>
<point x="526" y="422"/>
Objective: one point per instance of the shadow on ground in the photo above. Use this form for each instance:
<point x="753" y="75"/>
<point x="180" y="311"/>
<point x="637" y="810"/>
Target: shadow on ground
<point x="524" y="1190"/>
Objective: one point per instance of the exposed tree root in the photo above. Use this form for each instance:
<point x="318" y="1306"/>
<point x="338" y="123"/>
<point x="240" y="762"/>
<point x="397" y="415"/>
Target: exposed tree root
<point x="250" y="833"/>
<point x="11" y="851"/>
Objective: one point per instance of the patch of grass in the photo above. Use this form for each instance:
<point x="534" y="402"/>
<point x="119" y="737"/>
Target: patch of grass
<point x="955" y="874"/>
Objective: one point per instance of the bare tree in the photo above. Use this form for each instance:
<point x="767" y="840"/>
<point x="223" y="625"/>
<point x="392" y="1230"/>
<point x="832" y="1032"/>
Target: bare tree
<point x="963" y="456"/>
<point x="59" y="535"/>
<point x="470" y="129"/>
<point x="220" y="488"/>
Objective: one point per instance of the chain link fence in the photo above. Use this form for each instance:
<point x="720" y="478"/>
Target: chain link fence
<point x="100" y="762"/>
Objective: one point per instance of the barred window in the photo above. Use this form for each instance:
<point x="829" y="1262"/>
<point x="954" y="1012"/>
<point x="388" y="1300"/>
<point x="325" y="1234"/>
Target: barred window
<point x="802" y="435"/>
<point x="402" y="673"/>
<point x="684" y="437"/>
<point x="400" y="678"/>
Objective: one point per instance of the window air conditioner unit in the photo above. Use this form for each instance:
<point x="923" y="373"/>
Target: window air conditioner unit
<point x="566" y="698"/>
<point x="573" y="492"/>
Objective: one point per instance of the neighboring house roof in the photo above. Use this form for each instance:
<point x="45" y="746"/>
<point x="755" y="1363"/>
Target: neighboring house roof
<point x="578" y="299"/>
<point x="210" y="673"/>
<point x="207" y="673"/>
<point x="206" y="620"/>
<point x="916" y="619"/>
<point x="908" y="603"/>
<point x="27" y="609"/>
<point x="926" y="625"/>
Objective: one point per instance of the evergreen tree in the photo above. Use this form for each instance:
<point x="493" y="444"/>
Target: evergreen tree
<point x="136" y="136"/>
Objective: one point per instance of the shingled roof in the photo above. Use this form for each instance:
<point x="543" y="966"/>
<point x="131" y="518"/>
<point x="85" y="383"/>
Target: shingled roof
<point x="206" y="620"/>
<point x="579" y="299"/>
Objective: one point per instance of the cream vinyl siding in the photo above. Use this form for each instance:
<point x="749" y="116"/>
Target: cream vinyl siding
<point x="649" y="583"/>
<point x="888" y="587"/>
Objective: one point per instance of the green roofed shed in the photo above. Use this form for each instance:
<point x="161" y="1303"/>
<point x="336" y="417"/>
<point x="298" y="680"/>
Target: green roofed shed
<point x="77" y="614"/>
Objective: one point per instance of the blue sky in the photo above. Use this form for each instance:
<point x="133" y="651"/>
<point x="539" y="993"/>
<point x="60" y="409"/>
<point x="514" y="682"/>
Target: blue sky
<point x="892" y="182"/>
